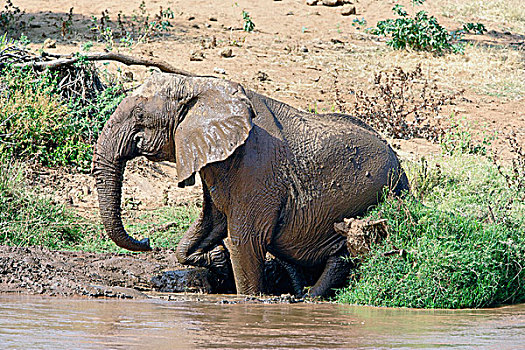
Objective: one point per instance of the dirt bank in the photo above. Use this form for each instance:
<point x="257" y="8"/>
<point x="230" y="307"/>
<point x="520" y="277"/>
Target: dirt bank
<point x="37" y="270"/>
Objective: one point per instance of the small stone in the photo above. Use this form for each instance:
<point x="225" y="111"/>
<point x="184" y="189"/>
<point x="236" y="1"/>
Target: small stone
<point x="311" y="2"/>
<point x="290" y="13"/>
<point x="330" y="2"/>
<point x="36" y="24"/>
<point x="348" y="10"/>
<point x="226" y="52"/>
<point x="219" y="70"/>
<point x="128" y="76"/>
<point x="196" y="56"/>
<point x="303" y="49"/>
<point x="262" y="76"/>
<point x="213" y="19"/>
<point x="191" y="18"/>
<point x="49" y="44"/>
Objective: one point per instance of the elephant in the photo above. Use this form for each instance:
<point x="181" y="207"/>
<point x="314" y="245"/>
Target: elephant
<point x="275" y="179"/>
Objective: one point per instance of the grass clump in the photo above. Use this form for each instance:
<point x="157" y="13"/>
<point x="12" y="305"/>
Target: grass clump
<point x="457" y="241"/>
<point x="27" y="219"/>
<point x="446" y="260"/>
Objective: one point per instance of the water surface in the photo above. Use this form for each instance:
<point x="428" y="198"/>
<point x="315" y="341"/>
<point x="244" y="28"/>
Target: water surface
<point x="28" y="322"/>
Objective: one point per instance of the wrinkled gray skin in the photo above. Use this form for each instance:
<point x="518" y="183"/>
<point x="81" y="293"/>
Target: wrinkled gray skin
<point x="275" y="179"/>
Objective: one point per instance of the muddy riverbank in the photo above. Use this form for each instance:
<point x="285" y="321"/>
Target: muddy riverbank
<point x="41" y="271"/>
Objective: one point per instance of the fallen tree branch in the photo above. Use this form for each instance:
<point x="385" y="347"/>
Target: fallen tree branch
<point x="104" y="56"/>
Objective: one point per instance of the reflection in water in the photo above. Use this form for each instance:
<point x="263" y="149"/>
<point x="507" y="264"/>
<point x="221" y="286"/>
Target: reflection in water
<point x="44" y="323"/>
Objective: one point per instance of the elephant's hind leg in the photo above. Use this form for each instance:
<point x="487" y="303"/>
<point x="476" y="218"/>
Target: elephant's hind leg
<point x="335" y="275"/>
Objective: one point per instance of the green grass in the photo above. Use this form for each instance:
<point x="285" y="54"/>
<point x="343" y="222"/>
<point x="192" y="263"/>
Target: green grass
<point x="29" y="219"/>
<point x="462" y="236"/>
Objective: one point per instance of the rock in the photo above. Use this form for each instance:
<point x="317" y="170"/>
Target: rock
<point x="219" y="70"/>
<point x="303" y="49"/>
<point x="213" y="19"/>
<point x="197" y="56"/>
<point x="36" y="24"/>
<point x="330" y="2"/>
<point x="189" y="280"/>
<point x="128" y="77"/>
<point x="226" y="52"/>
<point x="49" y="44"/>
<point x="348" y="10"/>
<point x="262" y="76"/>
<point x="311" y="2"/>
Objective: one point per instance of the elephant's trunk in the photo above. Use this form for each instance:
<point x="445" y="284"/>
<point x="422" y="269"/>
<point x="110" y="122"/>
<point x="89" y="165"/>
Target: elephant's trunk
<point x="109" y="175"/>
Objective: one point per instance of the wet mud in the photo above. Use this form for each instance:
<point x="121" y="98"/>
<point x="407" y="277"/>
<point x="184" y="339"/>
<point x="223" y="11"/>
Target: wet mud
<point x="41" y="271"/>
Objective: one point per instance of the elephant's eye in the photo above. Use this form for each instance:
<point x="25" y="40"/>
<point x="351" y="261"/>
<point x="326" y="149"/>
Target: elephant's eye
<point x="139" y="140"/>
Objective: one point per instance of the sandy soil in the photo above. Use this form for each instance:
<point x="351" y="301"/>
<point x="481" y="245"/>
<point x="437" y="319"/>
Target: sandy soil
<point x="293" y="55"/>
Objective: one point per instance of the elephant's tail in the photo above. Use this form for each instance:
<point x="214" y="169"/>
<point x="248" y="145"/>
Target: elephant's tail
<point x="398" y="182"/>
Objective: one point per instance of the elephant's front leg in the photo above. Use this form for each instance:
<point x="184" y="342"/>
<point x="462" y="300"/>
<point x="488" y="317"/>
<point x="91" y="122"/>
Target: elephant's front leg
<point x="247" y="258"/>
<point x="200" y="245"/>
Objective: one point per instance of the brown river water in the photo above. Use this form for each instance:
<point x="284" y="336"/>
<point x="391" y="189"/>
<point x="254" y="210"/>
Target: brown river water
<point x="197" y="322"/>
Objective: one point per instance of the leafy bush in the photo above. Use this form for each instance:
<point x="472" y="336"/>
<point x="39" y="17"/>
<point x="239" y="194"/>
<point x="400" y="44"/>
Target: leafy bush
<point x="37" y="124"/>
<point x="445" y="260"/>
<point x="420" y="33"/>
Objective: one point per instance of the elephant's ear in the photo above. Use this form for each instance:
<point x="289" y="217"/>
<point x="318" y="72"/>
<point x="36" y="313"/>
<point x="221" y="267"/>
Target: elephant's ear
<point x="217" y="121"/>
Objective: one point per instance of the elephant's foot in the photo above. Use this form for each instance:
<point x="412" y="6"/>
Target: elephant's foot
<point x="218" y="260"/>
<point x="296" y="277"/>
<point x="335" y="275"/>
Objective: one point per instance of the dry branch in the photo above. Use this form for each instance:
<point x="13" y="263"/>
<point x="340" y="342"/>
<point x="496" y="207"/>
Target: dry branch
<point x="104" y="56"/>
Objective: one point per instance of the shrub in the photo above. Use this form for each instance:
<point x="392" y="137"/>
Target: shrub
<point x="402" y="104"/>
<point x="421" y="33"/>
<point x="37" y="124"/>
<point x="52" y="117"/>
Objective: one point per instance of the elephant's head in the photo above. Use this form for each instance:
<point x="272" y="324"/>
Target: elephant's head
<point x="192" y="121"/>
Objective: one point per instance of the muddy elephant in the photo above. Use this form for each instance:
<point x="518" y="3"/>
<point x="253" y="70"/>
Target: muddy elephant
<point x="275" y="179"/>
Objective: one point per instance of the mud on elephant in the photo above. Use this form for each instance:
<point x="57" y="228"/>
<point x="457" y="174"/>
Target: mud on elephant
<point x="275" y="179"/>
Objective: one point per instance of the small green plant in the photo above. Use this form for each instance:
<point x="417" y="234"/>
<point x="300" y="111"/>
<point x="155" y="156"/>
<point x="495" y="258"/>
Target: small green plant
<point x="421" y="32"/>
<point x="359" y="23"/>
<point x="459" y="140"/>
<point x="131" y="30"/>
<point x="477" y="28"/>
<point x="248" y="26"/>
